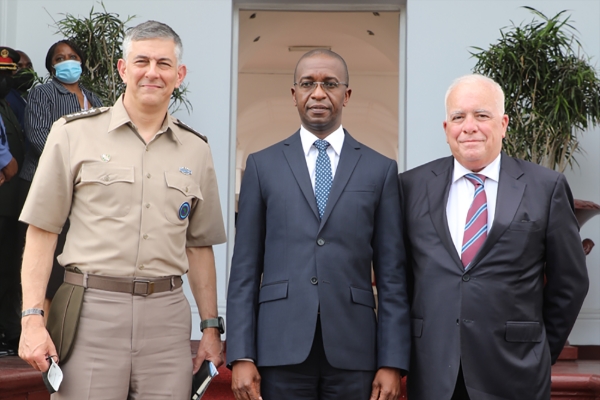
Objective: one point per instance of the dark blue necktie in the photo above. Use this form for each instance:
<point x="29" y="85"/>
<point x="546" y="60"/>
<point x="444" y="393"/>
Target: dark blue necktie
<point x="323" y="176"/>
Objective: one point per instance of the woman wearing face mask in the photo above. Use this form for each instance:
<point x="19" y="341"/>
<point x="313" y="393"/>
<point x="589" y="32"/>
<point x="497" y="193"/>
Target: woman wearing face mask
<point x="62" y="95"/>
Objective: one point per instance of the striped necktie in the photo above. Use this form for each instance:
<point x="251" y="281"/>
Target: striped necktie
<point x="476" y="224"/>
<point x="323" y="176"/>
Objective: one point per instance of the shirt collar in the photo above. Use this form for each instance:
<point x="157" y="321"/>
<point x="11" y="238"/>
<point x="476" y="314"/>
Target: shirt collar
<point x="491" y="171"/>
<point x="121" y="117"/>
<point x="335" y="139"/>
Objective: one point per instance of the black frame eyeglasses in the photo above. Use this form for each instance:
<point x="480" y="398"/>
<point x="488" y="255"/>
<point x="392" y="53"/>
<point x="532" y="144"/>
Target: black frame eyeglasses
<point x="327" y="86"/>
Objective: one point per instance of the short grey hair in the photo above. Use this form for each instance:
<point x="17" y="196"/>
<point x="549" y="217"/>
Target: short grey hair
<point x="152" y="30"/>
<point x="477" y="78"/>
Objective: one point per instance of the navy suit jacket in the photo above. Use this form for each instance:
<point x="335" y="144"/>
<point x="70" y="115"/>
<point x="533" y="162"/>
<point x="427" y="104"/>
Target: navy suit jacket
<point x="289" y="266"/>
<point x="498" y="319"/>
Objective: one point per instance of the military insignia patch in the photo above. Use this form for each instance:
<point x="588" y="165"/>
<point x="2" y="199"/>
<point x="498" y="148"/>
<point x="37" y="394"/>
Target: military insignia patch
<point x="105" y="157"/>
<point x="189" y="128"/>
<point x="84" y="114"/>
<point x="184" y="211"/>
<point x="185" y="171"/>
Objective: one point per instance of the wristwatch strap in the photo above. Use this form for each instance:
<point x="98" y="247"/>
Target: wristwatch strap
<point x="213" y="323"/>
<point x="32" y="311"/>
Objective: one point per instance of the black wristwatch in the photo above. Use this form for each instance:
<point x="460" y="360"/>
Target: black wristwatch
<point x="213" y="323"/>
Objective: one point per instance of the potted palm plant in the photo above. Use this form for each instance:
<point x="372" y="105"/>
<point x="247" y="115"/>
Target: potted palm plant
<point x="552" y="90"/>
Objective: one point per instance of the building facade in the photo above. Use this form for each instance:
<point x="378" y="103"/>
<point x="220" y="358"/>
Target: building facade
<point x="402" y="56"/>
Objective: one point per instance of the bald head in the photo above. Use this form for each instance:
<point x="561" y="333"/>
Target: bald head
<point x="327" y="53"/>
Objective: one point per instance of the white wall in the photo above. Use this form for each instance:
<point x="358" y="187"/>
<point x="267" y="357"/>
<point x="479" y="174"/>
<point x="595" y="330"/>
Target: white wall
<point x="205" y="28"/>
<point x="440" y="34"/>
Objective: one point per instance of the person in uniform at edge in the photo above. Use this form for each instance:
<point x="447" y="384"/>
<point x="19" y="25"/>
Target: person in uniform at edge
<point x="497" y="272"/>
<point x="315" y="212"/>
<point x="23" y="78"/>
<point x="145" y="209"/>
<point x="12" y="138"/>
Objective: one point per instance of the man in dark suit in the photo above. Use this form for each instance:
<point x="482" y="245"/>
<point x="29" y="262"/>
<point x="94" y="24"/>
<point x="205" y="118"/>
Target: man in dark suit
<point x="315" y="212"/>
<point x="483" y="233"/>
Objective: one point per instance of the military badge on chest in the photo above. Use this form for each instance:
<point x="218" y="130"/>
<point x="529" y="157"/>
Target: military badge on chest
<point x="184" y="210"/>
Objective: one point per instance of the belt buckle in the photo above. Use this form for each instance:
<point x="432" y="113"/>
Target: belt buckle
<point x="149" y="289"/>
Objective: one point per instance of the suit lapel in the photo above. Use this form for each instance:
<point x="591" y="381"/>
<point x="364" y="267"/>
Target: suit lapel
<point x="438" y="190"/>
<point x="294" y="154"/>
<point x="510" y="193"/>
<point x="348" y="159"/>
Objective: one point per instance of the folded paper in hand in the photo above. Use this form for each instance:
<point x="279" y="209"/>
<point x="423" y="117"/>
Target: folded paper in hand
<point x="202" y="378"/>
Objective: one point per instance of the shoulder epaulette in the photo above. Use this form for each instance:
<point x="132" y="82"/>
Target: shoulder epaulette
<point x="189" y="128"/>
<point x="84" y="114"/>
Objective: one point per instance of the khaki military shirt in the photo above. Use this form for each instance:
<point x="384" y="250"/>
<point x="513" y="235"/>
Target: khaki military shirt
<point x="133" y="207"/>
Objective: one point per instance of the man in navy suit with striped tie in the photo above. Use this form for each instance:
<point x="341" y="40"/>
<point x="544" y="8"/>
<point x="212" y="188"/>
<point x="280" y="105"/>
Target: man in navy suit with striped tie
<point x="315" y="212"/>
<point x="483" y="232"/>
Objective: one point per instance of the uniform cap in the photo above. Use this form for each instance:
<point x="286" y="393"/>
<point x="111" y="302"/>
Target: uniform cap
<point x="8" y="59"/>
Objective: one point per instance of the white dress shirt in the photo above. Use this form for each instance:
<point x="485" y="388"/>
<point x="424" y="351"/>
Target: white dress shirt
<point x="336" y="141"/>
<point x="461" y="197"/>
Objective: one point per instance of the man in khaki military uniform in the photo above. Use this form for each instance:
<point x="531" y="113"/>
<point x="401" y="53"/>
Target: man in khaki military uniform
<point x="140" y="191"/>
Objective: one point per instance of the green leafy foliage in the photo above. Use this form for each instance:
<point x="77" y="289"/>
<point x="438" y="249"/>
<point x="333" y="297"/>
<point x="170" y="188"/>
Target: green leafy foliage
<point x="552" y="91"/>
<point x="100" y="37"/>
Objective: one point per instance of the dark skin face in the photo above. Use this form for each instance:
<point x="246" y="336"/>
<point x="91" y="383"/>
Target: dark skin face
<point x="64" y="52"/>
<point x="320" y="110"/>
<point x="25" y="61"/>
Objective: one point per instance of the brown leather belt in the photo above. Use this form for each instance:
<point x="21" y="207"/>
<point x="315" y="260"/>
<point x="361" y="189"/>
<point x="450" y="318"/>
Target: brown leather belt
<point x="136" y="286"/>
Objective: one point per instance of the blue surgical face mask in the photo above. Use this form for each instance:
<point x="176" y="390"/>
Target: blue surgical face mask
<point x="68" y="71"/>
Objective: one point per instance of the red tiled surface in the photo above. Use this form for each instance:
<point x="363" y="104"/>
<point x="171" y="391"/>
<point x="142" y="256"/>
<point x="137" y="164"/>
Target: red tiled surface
<point x="569" y="353"/>
<point x="571" y="380"/>
<point x="576" y="380"/>
<point x="19" y="381"/>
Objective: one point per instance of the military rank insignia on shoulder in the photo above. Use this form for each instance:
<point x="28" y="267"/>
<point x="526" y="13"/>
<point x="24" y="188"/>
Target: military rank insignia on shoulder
<point x="189" y="128"/>
<point x="84" y="114"/>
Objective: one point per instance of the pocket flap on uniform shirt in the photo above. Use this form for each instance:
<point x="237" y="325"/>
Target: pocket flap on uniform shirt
<point x="416" y="327"/>
<point x="184" y="183"/>
<point x="273" y="291"/>
<point x="362" y="296"/>
<point x="106" y="174"/>
<point x="523" y="331"/>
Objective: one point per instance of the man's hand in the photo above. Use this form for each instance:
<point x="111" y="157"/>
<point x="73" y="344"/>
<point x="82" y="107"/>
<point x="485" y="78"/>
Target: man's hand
<point x="245" y="381"/>
<point x="2" y="178"/>
<point x="210" y="349"/>
<point x="10" y="170"/>
<point x="35" y="345"/>
<point x="386" y="385"/>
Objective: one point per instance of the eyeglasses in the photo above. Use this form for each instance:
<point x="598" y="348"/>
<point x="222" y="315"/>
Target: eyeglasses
<point x="327" y="86"/>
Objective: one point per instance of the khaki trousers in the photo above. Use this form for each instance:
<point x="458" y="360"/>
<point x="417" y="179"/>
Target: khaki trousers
<point x="130" y="347"/>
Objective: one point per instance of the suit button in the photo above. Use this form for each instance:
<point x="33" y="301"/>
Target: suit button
<point x="320" y="241"/>
<point x="314" y="280"/>
<point x="466" y="278"/>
